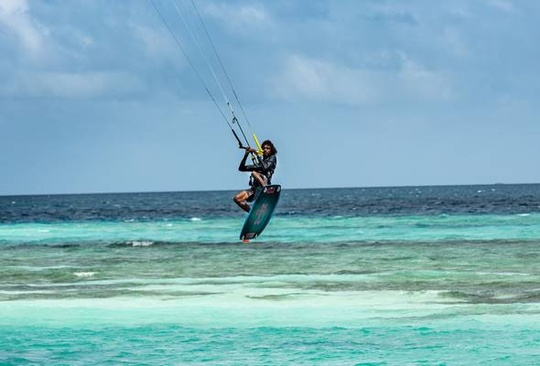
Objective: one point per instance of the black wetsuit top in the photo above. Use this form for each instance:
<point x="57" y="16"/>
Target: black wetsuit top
<point x="265" y="166"/>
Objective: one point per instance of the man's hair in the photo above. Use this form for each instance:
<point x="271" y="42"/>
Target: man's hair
<point x="272" y="147"/>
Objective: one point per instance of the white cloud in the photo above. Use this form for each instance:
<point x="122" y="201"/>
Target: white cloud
<point x="84" y="40"/>
<point x="312" y="79"/>
<point x="252" y="14"/>
<point x="244" y="16"/>
<point x="303" y="78"/>
<point x="69" y="58"/>
<point x="421" y="83"/>
<point x="156" y="42"/>
<point x="503" y="5"/>
<point x="14" y="15"/>
<point x="72" y="85"/>
<point x="455" y="42"/>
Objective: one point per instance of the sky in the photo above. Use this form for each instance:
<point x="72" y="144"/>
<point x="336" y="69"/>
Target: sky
<point x="98" y="95"/>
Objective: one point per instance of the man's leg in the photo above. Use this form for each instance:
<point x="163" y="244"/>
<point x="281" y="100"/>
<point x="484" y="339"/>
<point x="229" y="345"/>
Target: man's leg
<point x="260" y="178"/>
<point x="240" y="200"/>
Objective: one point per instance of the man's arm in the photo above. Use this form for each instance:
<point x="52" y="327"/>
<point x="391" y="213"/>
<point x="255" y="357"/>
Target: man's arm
<point x="243" y="167"/>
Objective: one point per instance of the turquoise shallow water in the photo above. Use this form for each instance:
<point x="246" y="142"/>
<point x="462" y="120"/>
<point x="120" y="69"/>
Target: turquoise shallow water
<point x="333" y="229"/>
<point x="80" y="284"/>
<point x="468" y="343"/>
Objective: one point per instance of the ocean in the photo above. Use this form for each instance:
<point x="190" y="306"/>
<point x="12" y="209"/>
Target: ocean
<point x="445" y="275"/>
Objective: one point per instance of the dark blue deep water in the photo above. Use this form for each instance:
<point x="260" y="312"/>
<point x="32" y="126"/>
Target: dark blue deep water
<point x="436" y="200"/>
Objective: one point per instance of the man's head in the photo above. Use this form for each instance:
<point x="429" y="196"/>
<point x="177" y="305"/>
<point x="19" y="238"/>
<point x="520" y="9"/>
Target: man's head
<point x="268" y="148"/>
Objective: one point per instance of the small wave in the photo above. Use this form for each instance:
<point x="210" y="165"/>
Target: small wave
<point x="524" y="214"/>
<point x="140" y="243"/>
<point x="133" y="243"/>
<point x="84" y="274"/>
<point x="195" y="219"/>
<point x="149" y="243"/>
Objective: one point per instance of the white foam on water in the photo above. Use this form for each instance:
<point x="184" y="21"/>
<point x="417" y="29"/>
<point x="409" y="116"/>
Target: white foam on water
<point x="195" y="219"/>
<point x="84" y="274"/>
<point x="141" y="243"/>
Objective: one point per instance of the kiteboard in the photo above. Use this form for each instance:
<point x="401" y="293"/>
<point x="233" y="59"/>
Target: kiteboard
<point x="261" y="212"/>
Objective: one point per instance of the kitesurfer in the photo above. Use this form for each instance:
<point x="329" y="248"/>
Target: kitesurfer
<point x="261" y="172"/>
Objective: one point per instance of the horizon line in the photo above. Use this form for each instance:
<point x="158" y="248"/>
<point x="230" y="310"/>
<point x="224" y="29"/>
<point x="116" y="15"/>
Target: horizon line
<point x="293" y="188"/>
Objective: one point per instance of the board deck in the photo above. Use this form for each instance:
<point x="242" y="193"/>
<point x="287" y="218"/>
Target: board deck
<point x="261" y="212"/>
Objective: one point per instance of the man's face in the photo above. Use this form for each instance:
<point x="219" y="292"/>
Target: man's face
<point x="267" y="150"/>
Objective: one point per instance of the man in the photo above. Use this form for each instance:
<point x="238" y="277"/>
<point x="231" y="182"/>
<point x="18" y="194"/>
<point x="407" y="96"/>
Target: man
<point x="261" y="173"/>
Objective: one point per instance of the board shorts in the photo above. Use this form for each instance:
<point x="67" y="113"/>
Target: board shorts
<point x="254" y="189"/>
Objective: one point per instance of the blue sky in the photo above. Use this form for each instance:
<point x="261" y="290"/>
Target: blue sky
<point x="95" y="96"/>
